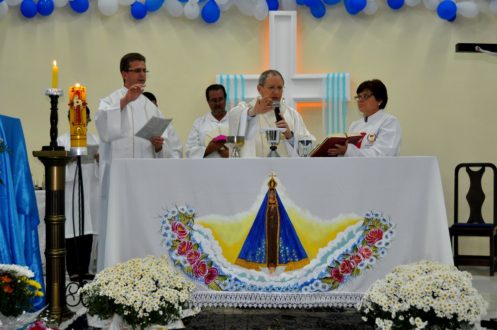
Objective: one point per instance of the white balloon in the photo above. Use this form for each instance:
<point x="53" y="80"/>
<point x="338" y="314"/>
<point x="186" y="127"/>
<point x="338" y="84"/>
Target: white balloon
<point x="371" y="7"/>
<point x="246" y="7"/>
<point x="108" y="7"/>
<point x="191" y="9"/>
<point x="227" y="5"/>
<point x="4" y="9"/>
<point x="288" y="4"/>
<point x="261" y="10"/>
<point x="13" y="2"/>
<point x="174" y="8"/>
<point x="431" y="4"/>
<point x="60" y="3"/>
<point x="467" y="8"/>
<point x="125" y="2"/>
<point x="412" y="3"/>
<point x="493" y="6"/>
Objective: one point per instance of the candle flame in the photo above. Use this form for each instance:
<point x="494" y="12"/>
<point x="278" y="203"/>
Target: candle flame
<point x="54" y="63"/>
<point x="77" y="85"/>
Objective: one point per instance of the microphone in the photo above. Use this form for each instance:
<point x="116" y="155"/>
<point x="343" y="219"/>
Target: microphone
<point x="276" y="108"/>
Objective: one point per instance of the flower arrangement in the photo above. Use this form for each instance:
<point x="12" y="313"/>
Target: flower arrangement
<point x="423" y="295"/>
<point x="17" y="290"/>
<point x="40" y="325"/>
<point x="142" y="291"/>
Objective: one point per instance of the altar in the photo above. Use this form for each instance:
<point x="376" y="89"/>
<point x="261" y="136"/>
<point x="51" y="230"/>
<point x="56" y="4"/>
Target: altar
<point x="344" y="223"/>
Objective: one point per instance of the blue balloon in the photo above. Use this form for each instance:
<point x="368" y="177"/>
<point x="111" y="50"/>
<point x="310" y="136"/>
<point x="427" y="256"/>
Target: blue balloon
<point x="318" y="10"/>
<point x="272" y="4"/>
<point x="311" y="3"/>
<point x="353" y="7"/>
<point x="447" y="10"/>
<point x="79" y="6"/>
<point x="331" y="2"/>
<point x="28" y="8"/>
<point x="301" y="2"/>
<point x="211" y="12"/>
<point x="45" y="7"/>
<point x="138" y="10"/>
<point x="395" y="4"/>
<point x="183" y="1"/>
<point x="153" y="5"/>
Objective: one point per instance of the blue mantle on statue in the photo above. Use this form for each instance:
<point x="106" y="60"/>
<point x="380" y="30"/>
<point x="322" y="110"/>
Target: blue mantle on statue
<point x="19" y="218"/>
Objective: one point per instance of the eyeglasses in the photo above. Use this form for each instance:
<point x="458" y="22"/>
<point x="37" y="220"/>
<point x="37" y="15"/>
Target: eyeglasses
<point x="362" y="97"/>
<point x="138" y="70"/>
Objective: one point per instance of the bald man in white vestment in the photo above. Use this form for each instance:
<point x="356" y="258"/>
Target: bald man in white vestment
<point x="120" y="115"/>
<point x="250" y="119"/>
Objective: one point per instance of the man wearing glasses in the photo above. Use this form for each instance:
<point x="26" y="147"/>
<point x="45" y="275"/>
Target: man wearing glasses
<point x="268" y="111"/>
<point x="381" y="130"/>
<point x="207" y="137"/>
<point x="120" y="115"/>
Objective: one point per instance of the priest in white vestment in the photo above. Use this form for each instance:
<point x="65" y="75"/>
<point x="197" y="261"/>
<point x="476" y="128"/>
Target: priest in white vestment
<point x="381" y="130"/>
<point x="207" y="137"/>
<point x="252" y="118"/>
<point x="80" y="236"/>
<point x="120" y="115"/>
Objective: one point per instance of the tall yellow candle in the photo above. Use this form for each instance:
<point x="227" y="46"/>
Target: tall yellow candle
<point x="77" y="116"/>
<point x="55" y="75"/>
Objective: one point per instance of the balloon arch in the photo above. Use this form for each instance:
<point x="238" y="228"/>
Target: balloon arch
<point x="210" y="10"/>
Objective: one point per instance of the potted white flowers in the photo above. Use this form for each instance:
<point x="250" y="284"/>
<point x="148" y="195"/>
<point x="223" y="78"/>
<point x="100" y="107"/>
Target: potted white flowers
<point x="423" y="295"/>
<point x="143" y="292"/>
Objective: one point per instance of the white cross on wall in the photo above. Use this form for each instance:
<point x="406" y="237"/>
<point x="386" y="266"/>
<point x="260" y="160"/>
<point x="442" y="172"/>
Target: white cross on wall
<point x="282" y="55"/>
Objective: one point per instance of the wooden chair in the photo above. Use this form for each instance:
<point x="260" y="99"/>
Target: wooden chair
<point x="475" y="225"/>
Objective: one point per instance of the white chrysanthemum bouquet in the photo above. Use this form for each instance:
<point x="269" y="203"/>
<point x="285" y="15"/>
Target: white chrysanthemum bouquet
<point x="423" y="295"/>
<point x="142" y="291"/>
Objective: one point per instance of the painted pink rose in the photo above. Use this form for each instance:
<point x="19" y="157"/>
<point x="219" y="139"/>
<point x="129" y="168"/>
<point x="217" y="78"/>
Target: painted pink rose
<point x="356" y="259"/>
<point x="192" y="257"/>
<point x="374" y="236"/>
<point x="184" y="247"/>
<point x="365" y="252"/>
<point x="346" y="267"/>
<point x="200" y="269"/>
<point x="211" y="275"/>
<point x="179" y="229"/>
<point x="336" y="275"/>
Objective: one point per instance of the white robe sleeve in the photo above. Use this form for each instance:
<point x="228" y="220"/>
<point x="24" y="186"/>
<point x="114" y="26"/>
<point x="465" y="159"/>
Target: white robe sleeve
<point x="387" y="141"/>
<point x="194" y="147"/>
<point x="297" y="125"/>
<point x="172" y="147"/>
<point x="109" y="120"/>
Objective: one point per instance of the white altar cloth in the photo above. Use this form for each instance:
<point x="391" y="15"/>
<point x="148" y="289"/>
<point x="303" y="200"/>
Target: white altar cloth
<point x="407" y="190"/>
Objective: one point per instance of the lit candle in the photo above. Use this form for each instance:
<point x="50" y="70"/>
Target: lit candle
<point x="55" y="75"/>
<point x="79" y="91"/>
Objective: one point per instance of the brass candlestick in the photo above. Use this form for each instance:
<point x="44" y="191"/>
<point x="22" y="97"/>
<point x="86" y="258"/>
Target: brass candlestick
<point x="55" y="158"/>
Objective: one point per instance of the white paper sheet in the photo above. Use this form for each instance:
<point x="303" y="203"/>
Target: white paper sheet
<point x="154" y="127"/>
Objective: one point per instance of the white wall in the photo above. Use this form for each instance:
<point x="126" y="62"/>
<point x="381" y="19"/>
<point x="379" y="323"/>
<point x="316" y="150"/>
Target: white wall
<point x="445" y="100"/>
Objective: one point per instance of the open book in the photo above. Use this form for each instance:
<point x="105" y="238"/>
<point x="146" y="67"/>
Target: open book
<point x="154" y="127"/>
<point x="321" y="150"/>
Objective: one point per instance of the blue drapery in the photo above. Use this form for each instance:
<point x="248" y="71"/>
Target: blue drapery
<point x="291" y="253"/>
<point x="18" y="210"/>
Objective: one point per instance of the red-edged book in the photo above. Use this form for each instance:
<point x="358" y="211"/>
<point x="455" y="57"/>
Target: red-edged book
<point x="321" y="150"/>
